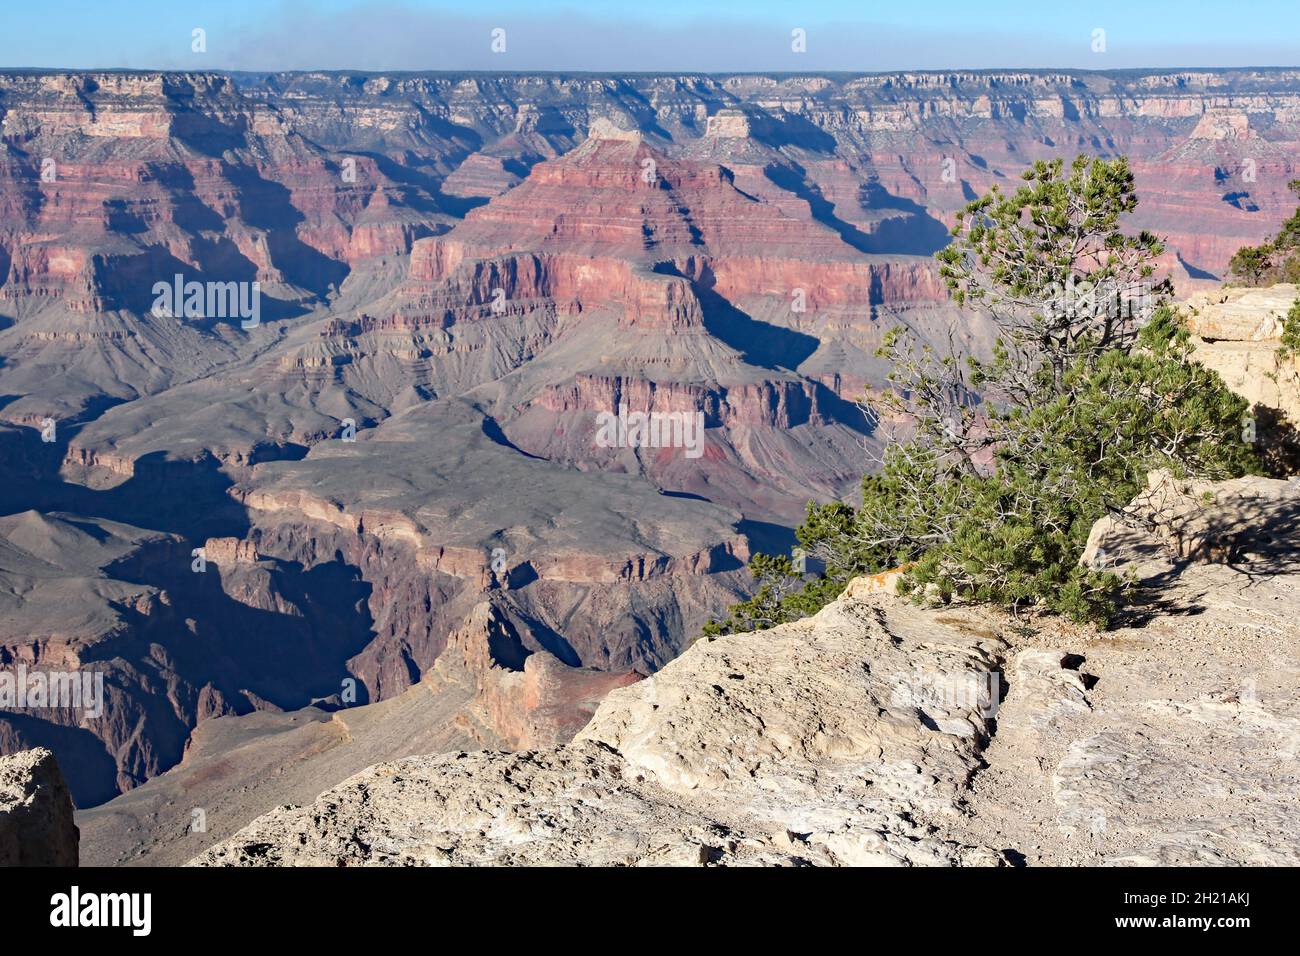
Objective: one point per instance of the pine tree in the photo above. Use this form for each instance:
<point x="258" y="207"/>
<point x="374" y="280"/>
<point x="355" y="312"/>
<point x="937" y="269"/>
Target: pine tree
<point x="1010" y="461"/>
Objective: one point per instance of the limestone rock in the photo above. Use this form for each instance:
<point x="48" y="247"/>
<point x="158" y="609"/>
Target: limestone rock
<point x="1170" y="740"/>
<point x="1241" y="315"/>
<point x="1238" y="333"/>
<point x="36" y="827"/>
<point x="793" y="746"/>
<point x="729" y="124"/>
<point x="604" y="128"/>
<point x="886" y="582"/>
<point x="225" y="551"/>
<point x="1046" y="688"/>
<point x="1196" y="520"/>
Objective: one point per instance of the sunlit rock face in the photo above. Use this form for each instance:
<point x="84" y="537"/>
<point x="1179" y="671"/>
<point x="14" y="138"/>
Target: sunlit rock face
<point x="1239" y="335"/>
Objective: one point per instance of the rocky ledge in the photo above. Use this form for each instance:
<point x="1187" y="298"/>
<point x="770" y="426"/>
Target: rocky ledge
<point x="878" y="732"/>
<point x="1237" y="333"/>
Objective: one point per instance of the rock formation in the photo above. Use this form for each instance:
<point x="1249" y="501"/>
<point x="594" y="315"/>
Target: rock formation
<point x="526" y="699"/>
<point x="877" y="732"/>
<point x="727" y="754"/>
<point x="487" y="690"/>
<point x="36" y="827"/>
<point x="1191" y="520"/>
<point x="165" y="642"/>
<point x="1238" y="333"/>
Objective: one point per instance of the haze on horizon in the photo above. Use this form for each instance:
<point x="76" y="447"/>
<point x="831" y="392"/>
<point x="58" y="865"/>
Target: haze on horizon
<point x="659" y="36"/>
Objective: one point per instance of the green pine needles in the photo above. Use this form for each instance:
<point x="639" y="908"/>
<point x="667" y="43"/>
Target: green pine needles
<point x="1291" y="332"/>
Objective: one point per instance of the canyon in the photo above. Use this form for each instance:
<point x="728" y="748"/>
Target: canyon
<point x="879" y="733"/>
<point x="377" y="523"/>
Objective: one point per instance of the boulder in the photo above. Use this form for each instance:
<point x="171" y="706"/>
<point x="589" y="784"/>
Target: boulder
<point x="1237" y="333"/>
<point x="36" y="826"/>
<point x="1203" y="521"/>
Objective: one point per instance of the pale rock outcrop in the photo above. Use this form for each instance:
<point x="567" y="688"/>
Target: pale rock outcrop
<point x="807" y="744"/>
<point x="1050" y="689"/>
<point x="886" y="582"/>
<point x="604" y="128"/>
<point x="36" y="827"/>
<point x="1195" y="520"/>
<point x="729" y="124"/>
<point x="228" y="551"/>
<point x="1238" y="332"/>
<point x="1171" y="740"/>
<point x="1221" y="125"/>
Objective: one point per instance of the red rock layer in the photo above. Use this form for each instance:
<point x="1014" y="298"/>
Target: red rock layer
<point x="527" y="698"/>
<point x="775" y="404"/>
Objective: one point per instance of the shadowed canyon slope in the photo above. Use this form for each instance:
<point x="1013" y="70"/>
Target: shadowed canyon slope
<point x="461" y="278"/>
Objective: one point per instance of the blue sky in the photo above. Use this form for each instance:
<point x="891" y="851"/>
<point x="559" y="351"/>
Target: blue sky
<point x="678" y="35"/>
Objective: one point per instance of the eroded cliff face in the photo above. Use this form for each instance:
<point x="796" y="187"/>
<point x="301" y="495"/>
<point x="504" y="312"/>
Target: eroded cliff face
<point x="881" y="733"/>
<point x="525" y="699"/>
<point x="276" y="173"/>
<point x="36" y="826"/>
<point x="157" y="641"/>
<point x="1239" y="335"/>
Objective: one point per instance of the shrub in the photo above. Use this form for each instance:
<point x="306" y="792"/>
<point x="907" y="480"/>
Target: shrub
<point x="1277" y="259"/>
<point x="1291" y="332"/>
